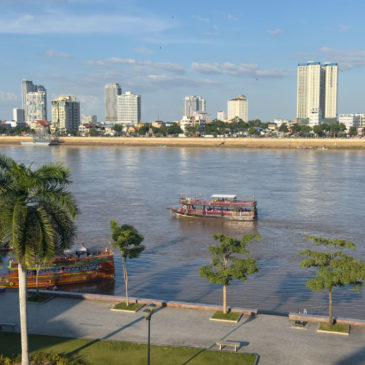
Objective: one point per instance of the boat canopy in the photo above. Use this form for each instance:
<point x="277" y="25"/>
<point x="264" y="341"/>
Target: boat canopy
<point x="75" y="249"/>
<point x="224" y="196"/>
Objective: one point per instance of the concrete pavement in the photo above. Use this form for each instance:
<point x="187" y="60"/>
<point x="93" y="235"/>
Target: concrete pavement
<point x="269" y="336"/>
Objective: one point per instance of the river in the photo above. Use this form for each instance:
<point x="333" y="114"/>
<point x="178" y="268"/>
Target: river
<point x="299" y="193"/>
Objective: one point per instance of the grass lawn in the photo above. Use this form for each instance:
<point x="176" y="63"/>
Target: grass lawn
<point x="342" y="328"/>
<point x="230" y="316"/>
<point x="96" y="352"/>
<point x="133" y="307"/>
<point x="40" y="298"/>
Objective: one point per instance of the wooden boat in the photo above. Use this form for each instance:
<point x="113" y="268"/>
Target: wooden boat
<point x="219" y="206"/>
<point x="71" y="269"/>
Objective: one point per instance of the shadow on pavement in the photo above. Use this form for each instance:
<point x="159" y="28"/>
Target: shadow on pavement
<point x="357" y="358"/>
<point x="111" y="334"/>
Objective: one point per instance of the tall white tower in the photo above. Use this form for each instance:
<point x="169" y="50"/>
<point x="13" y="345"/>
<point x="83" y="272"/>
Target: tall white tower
<point x="129" y="108"/>
<point x="194" y="105"/>
<point x="317" y="90"/>
<point x="112" y="91"/>
<point x="238" y="107"/>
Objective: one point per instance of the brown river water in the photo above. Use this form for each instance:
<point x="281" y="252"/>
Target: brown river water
<point x="299" y="193"/>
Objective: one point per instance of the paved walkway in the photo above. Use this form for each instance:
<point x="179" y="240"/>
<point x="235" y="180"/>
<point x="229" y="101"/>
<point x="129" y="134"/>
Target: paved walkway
<point x="269" y="336"/>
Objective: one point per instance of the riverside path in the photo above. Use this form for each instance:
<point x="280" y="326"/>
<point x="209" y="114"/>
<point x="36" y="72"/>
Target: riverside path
<point x="267" y="335"/>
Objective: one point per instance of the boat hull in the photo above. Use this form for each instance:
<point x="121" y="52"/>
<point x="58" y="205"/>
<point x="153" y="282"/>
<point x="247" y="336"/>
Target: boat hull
<point x="65" y="272"/>
<point x="241" y="218"/>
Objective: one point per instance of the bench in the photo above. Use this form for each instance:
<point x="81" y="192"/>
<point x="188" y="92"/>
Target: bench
<point x="7" y="325"/>
<point x="233" y="344"/>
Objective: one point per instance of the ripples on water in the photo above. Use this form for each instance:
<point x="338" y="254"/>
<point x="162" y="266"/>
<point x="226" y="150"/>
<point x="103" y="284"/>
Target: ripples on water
<point x="298" y="192"/>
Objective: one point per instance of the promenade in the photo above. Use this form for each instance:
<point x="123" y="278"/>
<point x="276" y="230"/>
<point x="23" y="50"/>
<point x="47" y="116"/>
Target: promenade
<point x="269" y="336"/>
<point x="259" y="143"/>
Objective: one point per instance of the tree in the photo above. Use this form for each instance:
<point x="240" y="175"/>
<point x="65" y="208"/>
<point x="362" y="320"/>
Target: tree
<point x="334" y="268"/>
<point x="283" y="128"/>
<point x="353" y="131"/>
<point x="128" y="240"/>
<point x="36" y="217"/>
<point x="252" y="131"/>
<point x="118" y="129"/>
<point x="226" y="266"/>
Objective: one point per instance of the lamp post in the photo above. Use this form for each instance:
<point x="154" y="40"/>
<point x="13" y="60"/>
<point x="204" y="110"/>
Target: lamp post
<point x="148" y="314"/>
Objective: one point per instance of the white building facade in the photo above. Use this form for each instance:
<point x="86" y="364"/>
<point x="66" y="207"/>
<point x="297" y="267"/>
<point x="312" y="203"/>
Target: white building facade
<point x="111" y="93"/>
<point x="66" y="113"/>
<point x="221" y="115"/>
<point x="36" y="106"/>
<point x="129" y="108"/>
<point x="238" y="107"/>
<point x="18" y="115"/>
<point x="317" y="90"/>
<point x="349" y="120"/>
<point x="194" y="105"/>
<point x="34" y="111"/>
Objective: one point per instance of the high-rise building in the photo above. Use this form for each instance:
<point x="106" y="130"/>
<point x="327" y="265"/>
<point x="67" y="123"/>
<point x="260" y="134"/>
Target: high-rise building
<point x="194" y="105"/>
<point x="27" y="87"/>
<point x="35" y="112"/>
<point x="238" y="107"/>
<point x="36" y="106"/>
<point x="18" y="115"/>
<point x="317" y="90"/>
<point x="129" y="108"/>
<point x="111" y="91"/>
<point x="66" y="113"/>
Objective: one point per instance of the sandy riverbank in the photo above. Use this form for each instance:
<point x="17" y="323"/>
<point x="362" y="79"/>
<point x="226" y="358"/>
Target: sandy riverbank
<point x="270" y="143"/>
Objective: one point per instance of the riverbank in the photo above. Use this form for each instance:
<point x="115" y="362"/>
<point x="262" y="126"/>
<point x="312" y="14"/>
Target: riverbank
<point x="267" y="335"/>
<point x="264" y="143"/>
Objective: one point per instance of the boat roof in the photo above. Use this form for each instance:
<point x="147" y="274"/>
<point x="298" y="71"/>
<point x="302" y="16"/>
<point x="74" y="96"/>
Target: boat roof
<point x="224" y="196"/>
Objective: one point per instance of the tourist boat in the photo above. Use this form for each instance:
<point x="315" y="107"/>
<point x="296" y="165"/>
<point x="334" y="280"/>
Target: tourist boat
<point x="219" y="206"/>
<point x="68" y="269"/>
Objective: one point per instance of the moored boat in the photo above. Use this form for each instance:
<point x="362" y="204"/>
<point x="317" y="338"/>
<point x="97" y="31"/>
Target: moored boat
<point x="219" y="206"/>
<point x="68" y="269"/>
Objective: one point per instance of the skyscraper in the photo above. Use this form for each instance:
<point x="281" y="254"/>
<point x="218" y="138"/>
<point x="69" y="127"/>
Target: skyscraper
<point x="317" y="90"/>
<point x="35" y="112"/>
<point x="194" y="105"/>
<point x="36" y="106"/>
<point x="66" y="113"/>
<point x="111" y="91"/>
<point x="238" y="107"/>
<point x="129" y="108"/>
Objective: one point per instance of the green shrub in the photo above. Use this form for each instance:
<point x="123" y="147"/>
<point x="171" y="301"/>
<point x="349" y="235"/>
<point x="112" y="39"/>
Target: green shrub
<point x="42" y="358"/>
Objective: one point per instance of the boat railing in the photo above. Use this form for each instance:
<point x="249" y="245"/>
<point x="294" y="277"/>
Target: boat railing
<point x="218" y="203"/>
<point x="217" y="212"/>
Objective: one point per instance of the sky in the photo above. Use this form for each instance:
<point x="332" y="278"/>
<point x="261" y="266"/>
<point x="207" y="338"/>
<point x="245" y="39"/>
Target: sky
<point x="166" y="50"/>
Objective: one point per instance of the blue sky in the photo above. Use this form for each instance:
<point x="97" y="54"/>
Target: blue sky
<point x="165" y="50"/>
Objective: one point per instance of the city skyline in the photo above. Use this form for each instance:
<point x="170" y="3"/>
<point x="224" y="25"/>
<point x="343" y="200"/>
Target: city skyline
<point x="170" y="51"/>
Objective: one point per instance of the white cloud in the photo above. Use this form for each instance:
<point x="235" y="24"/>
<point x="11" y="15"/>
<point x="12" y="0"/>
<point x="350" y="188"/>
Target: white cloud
<point x="55" y="54"/>
<point x="231" y="17"/>
<point x="201" y="19"/>
<point x="241" y="70"/>
<point x="347" y="60"/>
<point x="57" y="22"/>
<point x="275" y="31"/>
<point x="140" y="65"/>
<point x="6" y="96"/>
<point x="343" y="28"/>
<point x="144" y="50"/>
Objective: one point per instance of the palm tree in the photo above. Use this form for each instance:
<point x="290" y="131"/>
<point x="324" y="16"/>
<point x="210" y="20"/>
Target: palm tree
<point x="36" y="217"/>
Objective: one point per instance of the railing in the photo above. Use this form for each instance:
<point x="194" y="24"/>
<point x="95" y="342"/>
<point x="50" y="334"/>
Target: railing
<point x="217" y="213"/>
<point x="218" y="203"/>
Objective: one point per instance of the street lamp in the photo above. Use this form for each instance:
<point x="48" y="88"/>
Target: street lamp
<point x="148" y="314"/>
